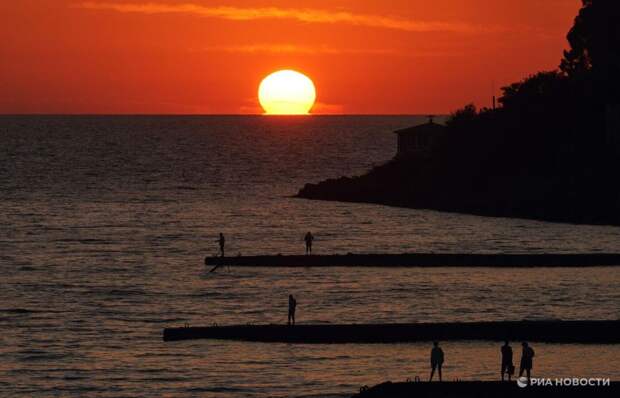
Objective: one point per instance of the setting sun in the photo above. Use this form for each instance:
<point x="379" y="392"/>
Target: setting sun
<point x="286" y="92"/>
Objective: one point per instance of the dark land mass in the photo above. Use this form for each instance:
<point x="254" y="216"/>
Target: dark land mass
<point x="484" y="389"/>
<point x="549" y="151"/>
<point x="600" y="332"/>
<point x="421" y="260"/>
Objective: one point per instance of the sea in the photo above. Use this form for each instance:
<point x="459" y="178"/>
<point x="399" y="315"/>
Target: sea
<point x="105" y="222"/>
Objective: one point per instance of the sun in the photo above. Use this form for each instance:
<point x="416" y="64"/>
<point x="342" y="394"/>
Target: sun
<point x="286" y="92"/>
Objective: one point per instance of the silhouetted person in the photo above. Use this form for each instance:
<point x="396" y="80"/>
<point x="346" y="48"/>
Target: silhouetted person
<point x="222" y="242"/>
<point x="292" y="305"/>
<point x="527" y="356"/>
<point x="507" y="366"/>
<point x="436" y="360"/>
<point x="309" y="238"/>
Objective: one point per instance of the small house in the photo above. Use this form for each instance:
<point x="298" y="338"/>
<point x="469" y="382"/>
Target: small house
<point x="419" y="140"/>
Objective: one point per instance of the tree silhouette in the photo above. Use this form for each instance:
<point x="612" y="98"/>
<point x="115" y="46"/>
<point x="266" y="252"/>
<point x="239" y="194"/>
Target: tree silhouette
<point x="594" y="41"/>
<point x="583" y="42"/>
<point x="463" y="115"/>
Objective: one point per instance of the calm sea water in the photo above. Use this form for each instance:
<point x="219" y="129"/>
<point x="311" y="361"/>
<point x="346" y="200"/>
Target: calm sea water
<point x="105" y="222"/>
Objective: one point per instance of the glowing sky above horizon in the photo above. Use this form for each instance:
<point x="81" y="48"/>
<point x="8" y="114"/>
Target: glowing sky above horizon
<point x="202" y="56"/>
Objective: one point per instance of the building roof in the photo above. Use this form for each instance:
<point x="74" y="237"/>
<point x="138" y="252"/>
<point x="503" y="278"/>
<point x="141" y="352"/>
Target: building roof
<point x="429" y="127"/>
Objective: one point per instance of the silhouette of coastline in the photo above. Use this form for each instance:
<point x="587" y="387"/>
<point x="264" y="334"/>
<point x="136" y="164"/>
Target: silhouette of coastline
<point x="600" y="332"/>
<point x="550" y="151"/>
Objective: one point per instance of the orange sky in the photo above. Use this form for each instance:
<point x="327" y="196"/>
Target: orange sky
<point x="203" y="56"/>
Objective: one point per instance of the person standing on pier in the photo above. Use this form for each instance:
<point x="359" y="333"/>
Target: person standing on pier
<point x="527" y="356"/>
<point x="222" y="242"/>
<point x="308" y="239"/>
<point x="507" y="366"/>
<point x="292" y="305"/>
<point x="436" y="360"/>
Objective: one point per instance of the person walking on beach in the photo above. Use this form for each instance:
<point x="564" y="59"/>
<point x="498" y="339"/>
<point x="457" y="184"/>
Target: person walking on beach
<point x="308" y="239"/>
<point x="292" y="305"/>
<point x="222" y="241"/>
<point x="436" y="360"/>
<point x="527" y="356"/>
<point x="507" y="366"/>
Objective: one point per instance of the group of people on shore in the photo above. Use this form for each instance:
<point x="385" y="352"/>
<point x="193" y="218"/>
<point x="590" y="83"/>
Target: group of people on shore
<point x="507" y="367"/>
<point x="437" y="355"/>
<point x="308" y="239"/>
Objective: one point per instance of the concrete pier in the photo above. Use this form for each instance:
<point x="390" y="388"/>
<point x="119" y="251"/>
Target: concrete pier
<point x="421" y="260"/>
<point x="604" y="332"/>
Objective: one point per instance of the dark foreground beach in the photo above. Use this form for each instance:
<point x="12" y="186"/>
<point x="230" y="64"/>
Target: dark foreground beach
<point x="480" y="389"/>
<point x="603" y="332"/>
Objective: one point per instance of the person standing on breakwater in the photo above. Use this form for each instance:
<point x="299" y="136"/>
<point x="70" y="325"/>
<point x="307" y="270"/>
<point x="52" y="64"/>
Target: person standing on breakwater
<point x="507" y="366"/>
<point x="292" y="305"/>
<point x="222" y="241"/>
<point x="527" y="356"/>
<point x="308" y="239"/>
<point x="436" y="360"/>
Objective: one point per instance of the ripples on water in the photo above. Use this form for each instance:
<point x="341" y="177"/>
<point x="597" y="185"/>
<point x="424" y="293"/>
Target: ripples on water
<point x="106" y="222"/>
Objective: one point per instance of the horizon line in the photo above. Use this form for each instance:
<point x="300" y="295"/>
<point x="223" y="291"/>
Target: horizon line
<point x="425" y="114"/>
